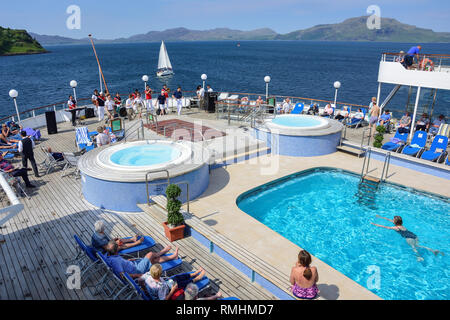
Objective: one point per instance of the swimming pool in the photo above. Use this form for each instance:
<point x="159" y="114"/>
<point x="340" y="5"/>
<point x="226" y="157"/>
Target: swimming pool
<point x="319" y="211"/>
<point x="145" y="155"/>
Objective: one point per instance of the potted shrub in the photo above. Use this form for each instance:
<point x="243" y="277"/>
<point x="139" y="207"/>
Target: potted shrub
<point x="378" y="139"/>
<point x="174" y="226"/>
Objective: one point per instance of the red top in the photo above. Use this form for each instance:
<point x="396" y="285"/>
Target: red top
<point x="148" y="94"/>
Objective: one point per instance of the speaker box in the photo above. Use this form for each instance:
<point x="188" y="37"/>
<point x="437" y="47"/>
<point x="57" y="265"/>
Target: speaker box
<point x="211" y="99"/>
<point x="50" y="118"/>
<point x="89" y="113"/>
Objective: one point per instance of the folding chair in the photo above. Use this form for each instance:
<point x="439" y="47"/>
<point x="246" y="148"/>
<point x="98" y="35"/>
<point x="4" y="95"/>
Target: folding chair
<point x="70" y="162"/>
<point x="50" y="162"/>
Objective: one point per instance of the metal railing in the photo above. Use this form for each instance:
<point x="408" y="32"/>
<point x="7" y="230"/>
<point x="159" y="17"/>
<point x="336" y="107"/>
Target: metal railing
<point x="387" y="161"/>
<point x="366" y="163"/>
<point x="147" y="184"/>
<point x="430" y="62"/>
<point x="135" y="127"/>
<point x="15" y="207"/>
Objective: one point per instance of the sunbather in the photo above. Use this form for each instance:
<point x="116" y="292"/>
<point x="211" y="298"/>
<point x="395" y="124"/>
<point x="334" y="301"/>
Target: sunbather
<point x="58" y="156"/>
<point x="410" y="237"/>
<point x="304" y="277"/>
<point x="100" y="240"/>
<point x="161" y="289"/>
<point x="136" y="268"/>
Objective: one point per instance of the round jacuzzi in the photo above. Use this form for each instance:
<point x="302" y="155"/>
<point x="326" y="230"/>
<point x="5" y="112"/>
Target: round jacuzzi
<point x="116" y="177"/>
<point x="300" y="135"/>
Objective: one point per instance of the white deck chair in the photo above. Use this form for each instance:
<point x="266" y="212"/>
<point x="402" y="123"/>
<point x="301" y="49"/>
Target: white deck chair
<point x="222" y="96"/>
<point x="50" y="162"/>
<point x="71" y="162"/>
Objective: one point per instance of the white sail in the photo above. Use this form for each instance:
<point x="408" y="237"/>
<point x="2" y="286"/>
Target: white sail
<point x="164" y="61"/>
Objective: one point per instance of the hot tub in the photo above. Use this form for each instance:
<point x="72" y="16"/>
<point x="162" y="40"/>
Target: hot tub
<point x="300" y="135"/>
<point x="114" y="177"/>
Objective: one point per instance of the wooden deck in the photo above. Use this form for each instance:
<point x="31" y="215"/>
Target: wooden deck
<point x="38" y="243"/>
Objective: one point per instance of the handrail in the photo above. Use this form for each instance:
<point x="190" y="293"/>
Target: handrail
<point x="140" y="127"/>
<point x="366" y="157"/>
<point x="147" y="184"/>
<point x="15" y="207"/>
<point x="387" y="160"/>
<point x="420" y="54"/>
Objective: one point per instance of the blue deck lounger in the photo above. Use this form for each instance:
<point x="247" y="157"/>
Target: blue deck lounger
<point x="146" y="244"/>
<point x="298" y="109"/>
<point x="417" y="144"/>
<point x="83" y="139"/>
<point x="394" y="146"/>
<point x="439" y="142"/>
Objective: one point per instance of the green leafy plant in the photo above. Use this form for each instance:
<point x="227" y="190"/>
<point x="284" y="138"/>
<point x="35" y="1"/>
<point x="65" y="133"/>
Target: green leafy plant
<point x="378" y="138"/>
<point x="174" y="216"/>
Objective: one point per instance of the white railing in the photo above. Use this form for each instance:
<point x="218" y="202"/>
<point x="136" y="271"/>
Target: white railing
<point x="15" y="207"/>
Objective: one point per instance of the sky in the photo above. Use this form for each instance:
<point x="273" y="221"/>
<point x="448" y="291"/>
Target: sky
<point x="116" y="19"/>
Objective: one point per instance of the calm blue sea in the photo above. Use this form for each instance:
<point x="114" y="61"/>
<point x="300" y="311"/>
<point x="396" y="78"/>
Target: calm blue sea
<point x="297" y="68"/>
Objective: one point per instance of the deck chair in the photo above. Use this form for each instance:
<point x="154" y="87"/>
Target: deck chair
<point x="222" y="96"/>
<point x="202" y="284"/>
<point x="146" y="244"/>
<point x="417" y="145"/>
<point x="136" y="287"/>
<point x="86" y="258"/>
<point x="298" y="108"/>
<point x="357" y="122"/>
<point x="50" y="162"/>
<point x="444" y="130"/>
<point x="230" y="298"/>
<point x="70" y="162"/>
<point x="439" y="143"/>
<point x="447" y="161"/>
<point x="396" y="142"/>
<point x="83" y="139"/>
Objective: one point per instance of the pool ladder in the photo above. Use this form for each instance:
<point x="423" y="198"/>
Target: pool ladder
<point x="369" y="185"/>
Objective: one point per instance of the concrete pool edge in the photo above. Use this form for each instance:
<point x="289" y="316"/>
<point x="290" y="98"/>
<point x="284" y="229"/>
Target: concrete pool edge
<point x="233" y="223"/>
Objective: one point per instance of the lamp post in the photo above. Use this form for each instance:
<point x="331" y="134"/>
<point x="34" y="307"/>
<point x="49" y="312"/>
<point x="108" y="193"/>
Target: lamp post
<point x="13" y="94"/>
<point x="204" y="77"/>
<point x="267" y="80"/>
<point x="337" y="85"/>
<point x="74" y="84"/>
<point x="145" y="79"/>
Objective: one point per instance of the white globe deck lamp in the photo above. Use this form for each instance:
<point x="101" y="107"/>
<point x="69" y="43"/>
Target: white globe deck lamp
<point x="145" y="79"/>
<point x="267" y="80"/>
<point x="204" y="77"/>
<point x="337" y="85"/>
<point x="74" y="84"/>
<point x="13" y="94"/>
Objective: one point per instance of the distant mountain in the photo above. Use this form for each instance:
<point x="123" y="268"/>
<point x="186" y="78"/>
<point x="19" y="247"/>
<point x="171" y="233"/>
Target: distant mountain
<point x="353" y="29"/>
<point x="15" y="42"/>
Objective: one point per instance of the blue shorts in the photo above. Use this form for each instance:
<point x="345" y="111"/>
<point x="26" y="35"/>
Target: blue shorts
<point x="143" y="265"/>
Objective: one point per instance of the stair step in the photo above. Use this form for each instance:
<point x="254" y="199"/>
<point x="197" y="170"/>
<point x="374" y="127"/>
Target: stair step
<point x="347" y="149"/>
<point x="370" y="178"/>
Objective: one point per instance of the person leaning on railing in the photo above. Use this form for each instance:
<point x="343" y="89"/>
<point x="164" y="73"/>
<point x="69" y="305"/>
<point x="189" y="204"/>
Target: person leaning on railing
<point x="409" y="57"/>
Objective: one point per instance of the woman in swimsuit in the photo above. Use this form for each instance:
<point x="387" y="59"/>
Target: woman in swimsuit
<point x="410" y="237"/>
<point x="304" y="277"/>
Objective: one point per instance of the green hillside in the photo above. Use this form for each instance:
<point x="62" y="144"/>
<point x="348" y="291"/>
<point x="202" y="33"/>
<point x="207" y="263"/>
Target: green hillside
<point x="13" y="42"/>
<point x="355" y="29"/>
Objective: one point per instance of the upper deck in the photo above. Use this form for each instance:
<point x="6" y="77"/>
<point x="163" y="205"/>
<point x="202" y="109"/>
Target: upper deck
<point x="435" y="75"/>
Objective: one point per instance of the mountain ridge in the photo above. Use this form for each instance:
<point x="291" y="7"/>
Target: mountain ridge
<point x="352" y="29"/>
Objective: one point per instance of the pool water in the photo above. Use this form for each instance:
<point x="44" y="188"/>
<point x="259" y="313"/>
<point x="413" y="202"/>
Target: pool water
<point x="297" y="121"/>
<point x="319" y="211"/>
<point x="145" y="155"/>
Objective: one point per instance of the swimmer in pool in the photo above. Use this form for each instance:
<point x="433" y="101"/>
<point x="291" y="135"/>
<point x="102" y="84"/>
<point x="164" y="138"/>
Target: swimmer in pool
<point x="410" y="237"/>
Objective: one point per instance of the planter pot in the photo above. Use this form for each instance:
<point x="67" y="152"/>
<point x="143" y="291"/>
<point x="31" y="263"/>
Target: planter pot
<point x="174" y="234"/>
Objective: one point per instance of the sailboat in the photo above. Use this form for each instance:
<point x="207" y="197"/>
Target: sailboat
<point x="164" y="65"/>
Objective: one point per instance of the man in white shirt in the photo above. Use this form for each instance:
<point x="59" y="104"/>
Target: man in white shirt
<point x="138" y="104"/>
<point x="110" y="104"/>
<point x="102" y="138"/>
<point x="209" y="89"/>
<point x="129" y="106"/>
<point x="287" y="105"/>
